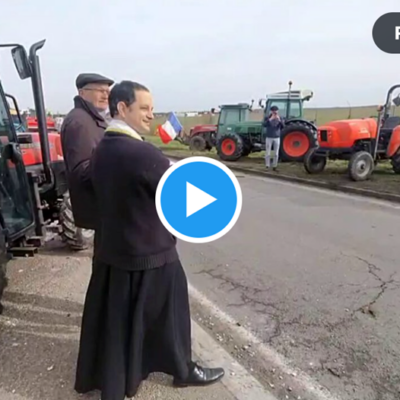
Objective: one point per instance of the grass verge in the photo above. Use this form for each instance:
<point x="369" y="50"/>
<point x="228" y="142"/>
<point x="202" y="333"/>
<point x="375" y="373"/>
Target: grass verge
<point x="383" y="180"/>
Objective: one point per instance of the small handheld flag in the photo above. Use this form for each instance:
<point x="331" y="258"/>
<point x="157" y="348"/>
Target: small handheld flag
<point x="170" y="129"/>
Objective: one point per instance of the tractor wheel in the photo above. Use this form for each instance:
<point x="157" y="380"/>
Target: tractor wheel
<point x="246" y="151"/>
<point x="314" y="164"/>
<point x="3" y="268"/>
<point x="296" y="140"/>
<point x="361" y="166"/>
<point x="77" y="238"/>
<point x="230" y="147"/>
<point x="396" y="163"/>
<point x="197" y="143"/>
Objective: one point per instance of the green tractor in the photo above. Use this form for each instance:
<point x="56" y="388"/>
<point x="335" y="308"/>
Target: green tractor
<point x="238" y="135"/>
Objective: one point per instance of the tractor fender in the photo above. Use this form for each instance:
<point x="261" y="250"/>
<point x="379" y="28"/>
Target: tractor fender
<point x="309" y="124"/>
<point x="394" y="143"/>
<point x="303" y="121"/>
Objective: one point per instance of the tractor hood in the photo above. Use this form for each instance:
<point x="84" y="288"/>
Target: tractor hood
<point x="244" y="124"/>
<point x="204" y="128"/>
<point x="345" y="133"/>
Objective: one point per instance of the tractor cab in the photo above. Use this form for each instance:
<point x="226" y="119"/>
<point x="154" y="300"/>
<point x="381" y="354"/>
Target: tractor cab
<point x="231" y="115"/>
<point x="16" y="208"/>
<point x="290" y="103"/>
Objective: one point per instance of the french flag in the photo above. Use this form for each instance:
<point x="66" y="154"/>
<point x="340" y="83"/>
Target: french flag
<point x="170" y="129"/>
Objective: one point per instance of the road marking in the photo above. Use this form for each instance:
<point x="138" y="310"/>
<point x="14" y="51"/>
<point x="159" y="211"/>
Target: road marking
<point x="302" y="379"/>
<point x="237" y="379"/>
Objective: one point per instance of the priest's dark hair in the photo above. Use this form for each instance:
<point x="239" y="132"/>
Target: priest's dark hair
<point x="124" y="91"/>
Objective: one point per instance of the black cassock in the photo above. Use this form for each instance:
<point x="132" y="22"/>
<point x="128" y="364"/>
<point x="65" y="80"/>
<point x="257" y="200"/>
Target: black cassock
<point x="136" y="316"/>
<point x="134" y="323"/>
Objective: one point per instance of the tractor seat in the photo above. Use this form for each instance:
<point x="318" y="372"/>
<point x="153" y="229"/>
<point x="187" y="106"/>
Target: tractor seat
<point x="391" y="123"/>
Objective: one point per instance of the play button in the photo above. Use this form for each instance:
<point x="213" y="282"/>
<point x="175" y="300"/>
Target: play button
<point x="198" y="199"/>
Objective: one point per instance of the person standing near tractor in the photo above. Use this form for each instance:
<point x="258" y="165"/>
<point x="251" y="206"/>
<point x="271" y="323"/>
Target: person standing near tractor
<point x="136" y="318"/>
<point x="81" y="131"/>
<point x="273" y="124"/>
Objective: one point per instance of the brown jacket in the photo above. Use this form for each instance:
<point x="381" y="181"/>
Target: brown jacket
<point x="82" y="130"/>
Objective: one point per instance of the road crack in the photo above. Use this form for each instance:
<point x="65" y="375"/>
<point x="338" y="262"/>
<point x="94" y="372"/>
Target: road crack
<point x="373" y="270"/>
<point x="250" y="297"/>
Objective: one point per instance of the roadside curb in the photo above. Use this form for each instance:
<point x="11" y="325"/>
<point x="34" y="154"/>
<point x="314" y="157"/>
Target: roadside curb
<point x="308" y="182"/>
<point x="237" y="380"/>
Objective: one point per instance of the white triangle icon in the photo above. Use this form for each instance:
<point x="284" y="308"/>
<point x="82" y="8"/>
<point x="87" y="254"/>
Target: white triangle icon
<point x="196" y="199"/>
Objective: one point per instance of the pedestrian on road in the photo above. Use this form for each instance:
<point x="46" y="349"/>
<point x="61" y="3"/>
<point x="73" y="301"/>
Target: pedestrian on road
<point x="136" y="318"/>
<point x="274" y="125"/>
<point x="82" y="130"/>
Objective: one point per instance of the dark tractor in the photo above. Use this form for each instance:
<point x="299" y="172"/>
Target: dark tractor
<point x="362" y="142"/>
<point x="34" y="201"/>
<point x="238" y="136"/>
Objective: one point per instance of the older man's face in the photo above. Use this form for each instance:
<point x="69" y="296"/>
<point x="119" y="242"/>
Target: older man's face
<point x="140" y="114"/>
<point x="97" y="94"/>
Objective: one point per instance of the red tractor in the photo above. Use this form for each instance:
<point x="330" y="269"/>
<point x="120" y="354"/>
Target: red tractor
<point x="202" y="137"/>
<point x="363" y="142"/>
<point x="41" y="151"/>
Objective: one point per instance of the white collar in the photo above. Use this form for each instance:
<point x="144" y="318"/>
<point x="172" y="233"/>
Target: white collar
<point x="121" y="126"/>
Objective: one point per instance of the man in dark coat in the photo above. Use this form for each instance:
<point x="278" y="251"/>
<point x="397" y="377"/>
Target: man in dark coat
<point x="81" y="132"/>
<point x="136" y="317"/>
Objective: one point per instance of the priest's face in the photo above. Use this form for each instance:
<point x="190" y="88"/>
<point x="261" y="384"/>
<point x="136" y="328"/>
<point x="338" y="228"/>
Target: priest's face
<point x="140" y="114"/>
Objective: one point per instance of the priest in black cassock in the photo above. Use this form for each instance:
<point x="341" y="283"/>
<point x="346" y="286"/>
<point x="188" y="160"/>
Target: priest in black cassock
<point x="136" y="316"/>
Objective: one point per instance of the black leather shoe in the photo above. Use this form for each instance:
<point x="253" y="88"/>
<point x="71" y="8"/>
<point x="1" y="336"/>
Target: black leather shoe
<point x="199" y="376"/>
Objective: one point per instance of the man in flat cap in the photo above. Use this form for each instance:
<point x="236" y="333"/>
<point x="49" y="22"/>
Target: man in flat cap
<point x="82" y="130"/>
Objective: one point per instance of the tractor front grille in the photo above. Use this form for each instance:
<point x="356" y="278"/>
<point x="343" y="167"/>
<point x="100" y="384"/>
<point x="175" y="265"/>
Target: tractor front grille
<point x="324" y="136"/>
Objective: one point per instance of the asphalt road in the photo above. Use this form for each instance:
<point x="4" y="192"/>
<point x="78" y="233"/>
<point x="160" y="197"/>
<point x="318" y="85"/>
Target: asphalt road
<point x="316" y="275"/>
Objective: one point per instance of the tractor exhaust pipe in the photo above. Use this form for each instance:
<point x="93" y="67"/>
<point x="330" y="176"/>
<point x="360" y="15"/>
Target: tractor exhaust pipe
<point x="288" y="100"/>
<point x="37" y="88"/>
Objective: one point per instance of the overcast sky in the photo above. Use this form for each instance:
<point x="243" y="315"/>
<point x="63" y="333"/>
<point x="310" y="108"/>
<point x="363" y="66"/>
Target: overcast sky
<point x="198" y="54"/>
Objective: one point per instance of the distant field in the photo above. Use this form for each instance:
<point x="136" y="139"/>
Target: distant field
<point x="321" y="115"/>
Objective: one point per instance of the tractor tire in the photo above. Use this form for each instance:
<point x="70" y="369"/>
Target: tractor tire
<point x="396" y="163"/>
<point x="361" y="166"/>
<point x="77" y="238"/>
<point x="296" y="139"/>
<point x="246" y="151"/>
<point x="197" y="143"/>
<point x="3" y="268"/>
<point x="230" y="147"/>
<point x="314" y="164"/>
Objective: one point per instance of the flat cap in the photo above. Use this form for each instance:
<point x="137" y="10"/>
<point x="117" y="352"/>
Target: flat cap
<point x="84" y="79"/>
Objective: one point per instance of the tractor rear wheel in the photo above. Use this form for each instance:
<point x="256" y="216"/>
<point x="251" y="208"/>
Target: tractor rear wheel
<point x="296" y="139"/>
<point x="396" y="163"/>
<point x="313" y="163"/>
<point x="230" y="147"/>
<point x="361" y="166"/>
<point x="77" y="238"/>
<point x="197" y="143"/>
